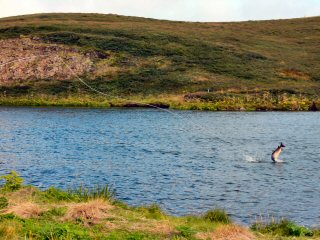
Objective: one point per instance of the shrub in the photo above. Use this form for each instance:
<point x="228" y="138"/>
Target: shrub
<point x="283" y="228"/>
<point x="58" y="211"/>
<point x="3" y="202"/>
<point x="186" y="232"/>
<point x="80" y="194"/>
<point x="13" y="181"/>
<point x="121" y="204"/>
<point x="56" y="194"/>
<point x="85" y="194"/>
<point x="8" y="216"/>
<point x="217" y="215"/>
<point x="153" y="211"/>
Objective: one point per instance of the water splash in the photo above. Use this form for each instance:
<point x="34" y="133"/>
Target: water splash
<point x="252" y="159"/>
<point x="279" y="161"/>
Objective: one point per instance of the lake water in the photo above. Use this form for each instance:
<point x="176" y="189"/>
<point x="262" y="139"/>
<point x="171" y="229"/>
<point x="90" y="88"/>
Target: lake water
<point x="188" y="162"/>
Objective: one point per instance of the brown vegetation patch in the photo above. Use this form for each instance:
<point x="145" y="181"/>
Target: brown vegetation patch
<point x="37" y="60"/>
<point x="201" y="78"/>
<point x="10" y="230"/>
<point x="89" y="213"/>
<point x="154" y="227"/>
<point x="228" y="232"/>
<point x="296" y="74"/>
<point x="23" y="195"/>
<point x="25" y="210"/>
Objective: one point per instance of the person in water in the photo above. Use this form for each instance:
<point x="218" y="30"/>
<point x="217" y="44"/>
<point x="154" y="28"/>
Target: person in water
<point x="276" y="153"/>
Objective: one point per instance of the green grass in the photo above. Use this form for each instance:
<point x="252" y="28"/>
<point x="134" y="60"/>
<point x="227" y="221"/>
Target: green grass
<point x="217" y="215"/>
<point x="79" y="194"/>
<point x="3" y="202"/>
<point x="12" y="181"/>
<point x="56" y="214"/>
<point x="206" y="102"/>
<point x="284" y="228"/>
<point x="34" y="229"/>
<point x="164" y="58"/>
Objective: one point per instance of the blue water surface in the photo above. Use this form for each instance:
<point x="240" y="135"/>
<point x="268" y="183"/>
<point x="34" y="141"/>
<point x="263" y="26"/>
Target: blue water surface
<point x="187" y="162"/>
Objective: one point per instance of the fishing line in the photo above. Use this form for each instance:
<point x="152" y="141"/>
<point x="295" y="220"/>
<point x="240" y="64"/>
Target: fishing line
<point x="199" y="126"/>
<point x="109" y="95"/>
<point x="85" y="83"/>
<point x="230" y="206"/>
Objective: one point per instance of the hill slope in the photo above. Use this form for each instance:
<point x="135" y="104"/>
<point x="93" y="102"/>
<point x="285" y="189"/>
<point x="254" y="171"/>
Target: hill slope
<point x="251" y="65"/>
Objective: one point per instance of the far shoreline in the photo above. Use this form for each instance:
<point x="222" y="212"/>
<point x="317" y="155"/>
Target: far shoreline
<point x="90" y="102"/>
<point x="150" y="108"/>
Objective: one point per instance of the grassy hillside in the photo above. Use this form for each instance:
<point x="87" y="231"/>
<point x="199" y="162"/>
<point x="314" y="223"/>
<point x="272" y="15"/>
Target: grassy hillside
<point x="248" y="65"/>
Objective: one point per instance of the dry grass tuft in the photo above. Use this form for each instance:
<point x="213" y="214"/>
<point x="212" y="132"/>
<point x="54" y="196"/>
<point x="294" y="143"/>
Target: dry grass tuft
<point x="154" y="227"/>
<point x="228" y="232"/>
<point x="163" y="228"/>
<point x="9" y="230"/>
<point x="89" y="213"/>
<point x="21" y="196"/>
<point x="25" y="210"/>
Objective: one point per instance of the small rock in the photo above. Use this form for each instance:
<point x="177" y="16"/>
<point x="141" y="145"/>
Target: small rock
<point x="313" y="107"/>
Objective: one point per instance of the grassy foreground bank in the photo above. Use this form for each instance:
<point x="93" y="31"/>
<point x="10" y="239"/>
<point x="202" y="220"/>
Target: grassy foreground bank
<point x="29" y="213"/>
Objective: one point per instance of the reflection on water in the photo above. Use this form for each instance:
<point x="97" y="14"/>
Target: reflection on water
<point x="187" y="164"/>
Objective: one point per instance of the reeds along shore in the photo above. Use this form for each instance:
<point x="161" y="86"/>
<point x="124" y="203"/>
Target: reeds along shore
<point x="27" y="212"/>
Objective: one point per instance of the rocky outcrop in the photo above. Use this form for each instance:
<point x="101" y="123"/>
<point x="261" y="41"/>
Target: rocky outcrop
<point x="146" y="105"/>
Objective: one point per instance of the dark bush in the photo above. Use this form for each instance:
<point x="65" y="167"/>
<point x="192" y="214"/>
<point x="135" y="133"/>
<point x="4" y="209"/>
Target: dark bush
<point x="217" y="215"/>
<point x="283" y="228"/>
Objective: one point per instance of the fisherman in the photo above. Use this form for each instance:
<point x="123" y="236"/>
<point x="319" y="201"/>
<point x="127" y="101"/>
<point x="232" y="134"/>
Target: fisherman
<point x="276" y="153"/>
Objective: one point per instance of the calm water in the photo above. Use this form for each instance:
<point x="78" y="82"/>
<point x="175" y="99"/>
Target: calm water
<point x="188" y="163"/>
